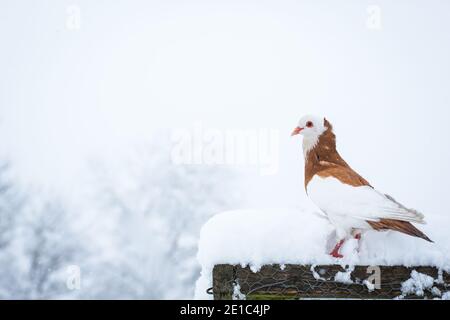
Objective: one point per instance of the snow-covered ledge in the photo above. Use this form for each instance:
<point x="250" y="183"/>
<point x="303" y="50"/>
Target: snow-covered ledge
<point x="301" y="240"/>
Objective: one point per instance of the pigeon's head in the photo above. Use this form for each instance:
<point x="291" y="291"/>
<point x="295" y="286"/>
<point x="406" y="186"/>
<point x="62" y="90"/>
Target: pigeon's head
<point x="310" y="127"/>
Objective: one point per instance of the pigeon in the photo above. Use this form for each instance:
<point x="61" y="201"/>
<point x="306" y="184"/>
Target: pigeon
<point x="347" y="200"/>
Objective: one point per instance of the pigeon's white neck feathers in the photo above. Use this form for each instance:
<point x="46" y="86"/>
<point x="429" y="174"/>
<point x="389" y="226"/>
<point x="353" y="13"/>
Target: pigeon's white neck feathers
<point x="308" y="144"/>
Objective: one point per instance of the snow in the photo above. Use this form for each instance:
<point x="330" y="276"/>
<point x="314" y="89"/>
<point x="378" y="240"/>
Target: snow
<point x="237" y="294"/>
<point x="344" y="277"/>
<point x="417" y="284"/>
<point x="299" y="236"/>
<point x="370" y="286"/>
<point x="446" y="296"/>
<point x="316" y="274"/>
<point x="436" y="292"/>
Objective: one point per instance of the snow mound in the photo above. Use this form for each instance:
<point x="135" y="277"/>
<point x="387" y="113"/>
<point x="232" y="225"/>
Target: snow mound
<point x="417" y="284"/>
<point x="300" y="236"/>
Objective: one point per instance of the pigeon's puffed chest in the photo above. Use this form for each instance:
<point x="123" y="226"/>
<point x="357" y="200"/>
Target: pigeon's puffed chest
<point x="334" y="198"/>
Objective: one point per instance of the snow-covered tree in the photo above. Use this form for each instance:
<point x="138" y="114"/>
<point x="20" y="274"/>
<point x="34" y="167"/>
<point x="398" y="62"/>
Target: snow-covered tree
<point x="134" y="235"/>
<point x="158" y="208"/>
<point x="10" y="203"/>
<point x="38" y="243"/>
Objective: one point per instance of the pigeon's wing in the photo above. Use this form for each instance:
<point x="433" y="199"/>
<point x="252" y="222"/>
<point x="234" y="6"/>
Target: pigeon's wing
<point x="360" y="201"/>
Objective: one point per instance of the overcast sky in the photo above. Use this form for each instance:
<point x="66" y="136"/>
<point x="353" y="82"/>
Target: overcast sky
<point x="75" y="88"/>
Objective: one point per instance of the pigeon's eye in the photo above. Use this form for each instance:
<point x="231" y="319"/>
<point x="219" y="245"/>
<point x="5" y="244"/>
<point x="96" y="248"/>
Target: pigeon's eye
<point x="309" y="124"/>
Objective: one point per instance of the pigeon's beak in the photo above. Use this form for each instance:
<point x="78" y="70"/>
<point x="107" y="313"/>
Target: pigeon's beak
<point x="296" y="131"/>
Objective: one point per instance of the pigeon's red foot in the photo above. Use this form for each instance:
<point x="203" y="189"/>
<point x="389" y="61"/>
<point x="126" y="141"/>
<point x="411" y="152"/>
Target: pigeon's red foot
<point x="335" y="253"/>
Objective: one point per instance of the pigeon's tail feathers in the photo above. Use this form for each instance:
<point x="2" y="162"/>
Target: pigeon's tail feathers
<point x="415" y="216"/>
<point x="397" y="225"/>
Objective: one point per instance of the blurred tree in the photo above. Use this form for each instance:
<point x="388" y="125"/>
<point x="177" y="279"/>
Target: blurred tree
<point x="37" y="244"/>
<point x="134" y="235"/>
<point x="159" y="208"/>
<point x="10" y="203"/>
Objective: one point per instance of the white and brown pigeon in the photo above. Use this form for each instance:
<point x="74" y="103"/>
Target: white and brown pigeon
<point x="349" y="202"/>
